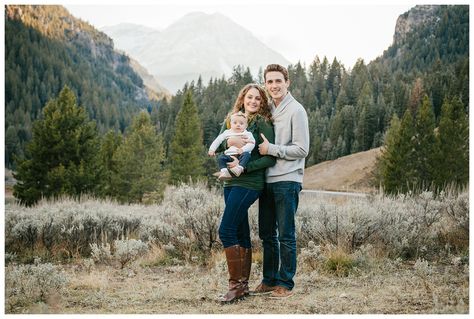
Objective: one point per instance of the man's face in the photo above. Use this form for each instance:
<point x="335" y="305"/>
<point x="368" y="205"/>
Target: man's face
<point x="276" y="86"/>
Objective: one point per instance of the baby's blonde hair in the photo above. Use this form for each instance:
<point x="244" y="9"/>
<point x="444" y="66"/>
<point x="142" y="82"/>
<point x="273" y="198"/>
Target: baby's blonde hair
<point x="239" y="113"/>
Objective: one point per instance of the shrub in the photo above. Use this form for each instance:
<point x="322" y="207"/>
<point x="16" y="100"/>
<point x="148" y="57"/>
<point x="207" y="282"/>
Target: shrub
<point x="406" y="226"/>
<point x="27" y="284"/>
<point x="339" y="262"/>
<point x="129" y="250"/>
<point x="101" y="253"/>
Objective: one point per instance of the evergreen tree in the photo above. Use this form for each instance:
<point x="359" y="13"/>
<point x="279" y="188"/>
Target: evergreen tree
<point x="61" y="157"/>
<point x="424" y="146"/>
<point x="396" y="161"/>
<point x="186" y="150"/>
<point x="453" y="144"/>
<point x="367" y="124"/>
<point x="139" y="162"/>
<point x="107" y="165"/>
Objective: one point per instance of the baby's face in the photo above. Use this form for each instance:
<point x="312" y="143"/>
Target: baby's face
<point x="238" y="124"/>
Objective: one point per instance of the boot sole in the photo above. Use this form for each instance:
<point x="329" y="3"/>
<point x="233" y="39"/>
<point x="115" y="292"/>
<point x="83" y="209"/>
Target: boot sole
<point x="281" y="297"/>
<point x="231" y="301"/>
<point x="260" y="293"/>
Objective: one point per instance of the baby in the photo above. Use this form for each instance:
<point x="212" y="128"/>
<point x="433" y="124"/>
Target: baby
<point x="238" y="125"/>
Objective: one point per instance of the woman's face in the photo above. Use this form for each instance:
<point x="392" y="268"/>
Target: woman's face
<point x="252" y="101"/>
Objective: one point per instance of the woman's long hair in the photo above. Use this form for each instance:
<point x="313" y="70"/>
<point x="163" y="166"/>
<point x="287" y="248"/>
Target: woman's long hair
<point x="264" y="109"/>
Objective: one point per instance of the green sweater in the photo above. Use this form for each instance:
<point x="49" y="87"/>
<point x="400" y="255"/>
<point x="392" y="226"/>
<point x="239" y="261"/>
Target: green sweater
<point x="254" y="175"/>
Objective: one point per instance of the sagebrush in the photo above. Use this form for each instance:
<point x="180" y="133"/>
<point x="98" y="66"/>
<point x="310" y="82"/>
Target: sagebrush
<point x="187" y="220"/>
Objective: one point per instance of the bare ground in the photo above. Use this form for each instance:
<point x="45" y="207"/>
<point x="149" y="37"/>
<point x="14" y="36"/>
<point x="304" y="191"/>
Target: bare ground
<point x="383" y="288"/>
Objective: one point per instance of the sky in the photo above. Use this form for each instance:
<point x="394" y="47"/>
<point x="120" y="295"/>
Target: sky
<point x="299" y="31"/>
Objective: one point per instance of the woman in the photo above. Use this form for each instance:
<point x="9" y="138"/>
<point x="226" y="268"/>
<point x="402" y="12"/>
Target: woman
<point x="241" y="192"/>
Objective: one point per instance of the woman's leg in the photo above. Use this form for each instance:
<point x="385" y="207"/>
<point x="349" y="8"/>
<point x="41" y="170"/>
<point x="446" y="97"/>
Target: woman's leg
<point x="243" y="234"/>
<point x="238" y="200"/>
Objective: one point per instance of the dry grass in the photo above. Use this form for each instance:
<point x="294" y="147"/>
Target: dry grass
<point x="384" y="287"/>
<point x="350" y="173"/>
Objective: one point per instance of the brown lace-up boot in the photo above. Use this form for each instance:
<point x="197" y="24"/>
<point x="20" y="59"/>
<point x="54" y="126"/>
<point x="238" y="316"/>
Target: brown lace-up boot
<point x="246" y="260"/>
<point x="234" y="264"/>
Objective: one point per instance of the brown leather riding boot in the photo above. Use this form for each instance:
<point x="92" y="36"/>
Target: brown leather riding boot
<point x="246" y="260"/>
<point x="234" y="265"/>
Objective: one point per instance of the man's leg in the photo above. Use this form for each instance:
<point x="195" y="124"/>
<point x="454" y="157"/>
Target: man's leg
<point x="268" y="235"/>
<point x="286" y="196"/>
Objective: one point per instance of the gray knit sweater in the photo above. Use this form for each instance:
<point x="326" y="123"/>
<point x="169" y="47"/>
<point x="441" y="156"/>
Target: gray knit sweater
<point x="291" y="141"/>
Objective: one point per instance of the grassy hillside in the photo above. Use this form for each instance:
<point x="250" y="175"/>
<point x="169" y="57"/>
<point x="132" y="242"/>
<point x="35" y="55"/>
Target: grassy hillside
<point x="352" y="173"/>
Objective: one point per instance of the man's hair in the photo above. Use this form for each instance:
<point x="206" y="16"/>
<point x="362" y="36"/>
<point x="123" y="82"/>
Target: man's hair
<point x="276" y="68"/>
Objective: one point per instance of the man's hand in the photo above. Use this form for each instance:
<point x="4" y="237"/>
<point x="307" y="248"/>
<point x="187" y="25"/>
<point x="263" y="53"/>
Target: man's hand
<point x="211" y="153"/>
<point x="263" y="147"/>
<point x="234" y="163"/>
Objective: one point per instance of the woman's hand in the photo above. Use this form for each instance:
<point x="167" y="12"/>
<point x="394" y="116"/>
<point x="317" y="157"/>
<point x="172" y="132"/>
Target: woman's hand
<point x="234" y="163"/>
<point x="237" y="141"/>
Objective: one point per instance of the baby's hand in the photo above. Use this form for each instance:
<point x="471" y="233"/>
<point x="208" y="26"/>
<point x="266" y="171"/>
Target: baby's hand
<point x="211" y="153"/>
<point x="239" y="150"/>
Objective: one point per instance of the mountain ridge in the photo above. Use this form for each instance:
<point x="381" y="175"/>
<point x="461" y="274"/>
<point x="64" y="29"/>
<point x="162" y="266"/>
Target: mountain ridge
<point x="210" y="45"/>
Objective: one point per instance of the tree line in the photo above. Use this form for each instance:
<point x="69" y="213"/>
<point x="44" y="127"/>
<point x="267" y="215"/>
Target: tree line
<point x="68" y="156"/>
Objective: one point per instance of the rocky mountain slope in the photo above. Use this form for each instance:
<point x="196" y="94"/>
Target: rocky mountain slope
<point x="209" y="45"/>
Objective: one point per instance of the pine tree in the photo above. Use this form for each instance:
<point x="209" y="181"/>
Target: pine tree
<point x="139" y="162"/>
<point x="107" y="165"/>
<point x="396" y="161"/>
<point x="187" y="151"/>
<point x="453" y="143"/>
<point x="61" y="157"/>
<point x="425" y="146"/>
<point x="367" y="124"/>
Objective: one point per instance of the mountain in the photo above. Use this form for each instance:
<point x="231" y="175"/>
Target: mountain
<point x="430" y="43"/>
<point x="427" y="33"/>
<point x="47" y="48"/>
<point x="412" y="19"/>
<point x="210" y="45"/>
<point x="153" y="88"/>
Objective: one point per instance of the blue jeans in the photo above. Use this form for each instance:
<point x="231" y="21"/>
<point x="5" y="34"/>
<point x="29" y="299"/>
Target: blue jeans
<point x="223" y="159"/>
<point x="234" y="228"/>
<point x="276" y="224"/>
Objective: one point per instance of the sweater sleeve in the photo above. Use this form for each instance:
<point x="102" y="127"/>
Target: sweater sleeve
<point x="263" y="161"/>
<point x="219" y="139"/>
<point x="251" y="144"/>
<point x="223" y="146"/>
<point x="299" y="145"/>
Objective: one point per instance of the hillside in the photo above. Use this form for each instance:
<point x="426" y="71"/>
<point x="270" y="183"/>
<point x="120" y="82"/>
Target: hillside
<point x="46" y="48"/>
<point x="351" y="173"/>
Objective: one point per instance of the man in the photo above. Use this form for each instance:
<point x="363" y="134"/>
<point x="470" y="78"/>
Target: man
<point x="279" y="201"/>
